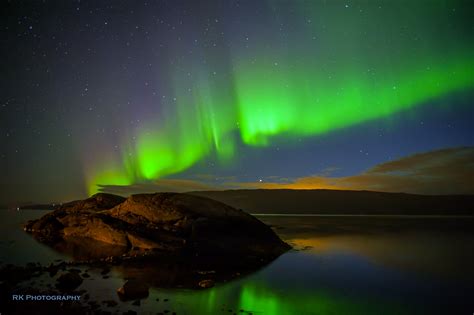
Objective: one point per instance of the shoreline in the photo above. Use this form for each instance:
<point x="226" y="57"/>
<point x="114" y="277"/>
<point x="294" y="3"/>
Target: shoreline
<point x="402" y="216"/>
<point x="407" y="216"/>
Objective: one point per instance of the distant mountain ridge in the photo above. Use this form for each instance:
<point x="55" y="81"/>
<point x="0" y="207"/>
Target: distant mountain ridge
<point x="324" y="201"/>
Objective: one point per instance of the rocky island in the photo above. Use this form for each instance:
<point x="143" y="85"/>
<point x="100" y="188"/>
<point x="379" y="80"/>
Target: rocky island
<point x="192" y="238"/>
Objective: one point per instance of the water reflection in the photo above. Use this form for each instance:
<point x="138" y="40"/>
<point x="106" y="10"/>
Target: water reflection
<point x="18" y="247"/>
<point x="255" y="294"/>
<point x="348" y="266"/>
<point x="430" y="255"/>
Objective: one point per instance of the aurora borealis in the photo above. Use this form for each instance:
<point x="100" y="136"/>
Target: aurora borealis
<point x="372" y="97"/>
<point x="126" y="93"/>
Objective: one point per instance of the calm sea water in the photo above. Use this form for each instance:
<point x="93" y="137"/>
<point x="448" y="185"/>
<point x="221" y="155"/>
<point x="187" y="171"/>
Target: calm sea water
<point x="340" y="265"/>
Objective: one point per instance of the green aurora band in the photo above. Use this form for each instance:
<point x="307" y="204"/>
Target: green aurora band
<point x="302" y="90"/>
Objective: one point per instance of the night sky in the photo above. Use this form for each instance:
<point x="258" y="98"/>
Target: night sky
<point x="180" y="95"/>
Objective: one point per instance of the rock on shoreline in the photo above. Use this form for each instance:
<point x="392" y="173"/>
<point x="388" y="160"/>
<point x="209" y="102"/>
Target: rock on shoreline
<point x="162" y="224"/>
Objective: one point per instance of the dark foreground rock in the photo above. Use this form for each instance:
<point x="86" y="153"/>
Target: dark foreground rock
<point x="207" y="283"/>
<point x="166" y="222"/>
<point x="177" y="235"/>
<point x="68" y="281"/>
<point x="132" y="290"/>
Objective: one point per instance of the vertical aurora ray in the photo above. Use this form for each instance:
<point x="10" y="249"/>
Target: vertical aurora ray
<point x="317" y="70"/>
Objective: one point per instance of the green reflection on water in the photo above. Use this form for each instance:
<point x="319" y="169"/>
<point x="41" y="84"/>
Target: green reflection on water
<point x="256" y="297"/>
<point x="265" y="301"/>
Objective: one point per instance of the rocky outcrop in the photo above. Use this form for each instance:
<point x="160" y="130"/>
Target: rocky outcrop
<point x="161" y="223"/>
<point x="132" y="289"/>
<point x="68" y="281"/>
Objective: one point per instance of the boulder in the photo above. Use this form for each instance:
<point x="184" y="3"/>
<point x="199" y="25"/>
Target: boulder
<point x="132" y="290"/>
<point x="162" y="222"/>
<point x="207" y="283"/>
<point x="68" y="281"/>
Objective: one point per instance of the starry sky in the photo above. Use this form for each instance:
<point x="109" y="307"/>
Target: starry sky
<point x="128" y="96"/>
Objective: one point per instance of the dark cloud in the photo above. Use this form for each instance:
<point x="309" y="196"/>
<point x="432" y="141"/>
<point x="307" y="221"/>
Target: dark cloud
<point x="446" y="171"/>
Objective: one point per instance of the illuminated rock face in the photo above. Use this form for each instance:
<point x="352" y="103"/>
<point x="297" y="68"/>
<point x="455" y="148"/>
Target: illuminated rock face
<point x="159" y="224"/>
